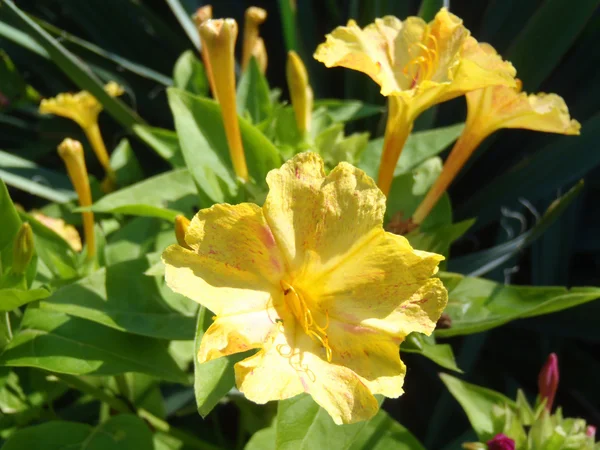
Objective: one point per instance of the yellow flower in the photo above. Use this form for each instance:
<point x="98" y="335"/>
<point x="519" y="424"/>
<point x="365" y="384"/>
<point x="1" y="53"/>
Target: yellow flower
<point x="301" y="94"/>
<point x="417" y="65"/>
<point x="489" y="110"/>
<point x="84" y="109"/>
<point x="68" y="232"/>
<point x="314" y="282"/>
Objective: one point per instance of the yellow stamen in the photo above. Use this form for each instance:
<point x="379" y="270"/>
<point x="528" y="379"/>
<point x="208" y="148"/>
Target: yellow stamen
<point x="297" y="305"/>
<point x="203" y="14"/>
<point x="301" y="93"/>
<point x="182" y="223"/>
<point x="219" y="37"/>
<point x="71" y="153"/>
<point x="254" y="17"/>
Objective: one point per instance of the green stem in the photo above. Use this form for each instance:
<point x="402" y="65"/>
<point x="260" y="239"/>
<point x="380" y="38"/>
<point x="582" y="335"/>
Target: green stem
<point x="123" y="387"/>
<point x="121" y="406"/>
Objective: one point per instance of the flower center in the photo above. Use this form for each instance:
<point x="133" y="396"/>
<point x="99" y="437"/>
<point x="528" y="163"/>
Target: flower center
<point x="422" y="65"/>
<point x="297" y="304"/>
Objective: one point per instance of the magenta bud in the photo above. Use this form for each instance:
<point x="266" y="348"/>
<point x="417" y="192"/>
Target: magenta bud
<point x="548" y="380"/>
<point x="590" y="431"/>
<point x="501" y="442"/>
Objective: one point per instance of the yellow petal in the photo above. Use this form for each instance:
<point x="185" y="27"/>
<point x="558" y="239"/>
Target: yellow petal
<point x="318" y="219"/>
<point x="291" y="365"/>
<point x="237" y="333"/>
<point x="383" y="276"/>
<point x="369" y="50"/>
<point x="234" y="264"/>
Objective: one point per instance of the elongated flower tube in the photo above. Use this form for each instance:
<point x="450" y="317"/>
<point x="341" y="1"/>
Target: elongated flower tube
<point x="23" y="249"/>
<point x="254" y="45"/>
<point x="301" y="93"/>
<point x="417" y="65"/>
<point x="71" y="153"/>
<point x="489" y="110"/>
<point x="313" y="281"/>
<point x="203" y="14"/>
<point x="84" y="109"/>
<point x="219" y="37"/>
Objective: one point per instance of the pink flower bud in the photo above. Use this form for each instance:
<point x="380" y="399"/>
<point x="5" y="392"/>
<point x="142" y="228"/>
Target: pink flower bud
<point x="591" y="431"/>
<point x="501" y="442"/>
<point x="548" y="380"/>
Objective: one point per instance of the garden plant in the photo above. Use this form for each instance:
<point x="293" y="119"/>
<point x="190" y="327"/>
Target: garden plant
<point x="299" y="225"/>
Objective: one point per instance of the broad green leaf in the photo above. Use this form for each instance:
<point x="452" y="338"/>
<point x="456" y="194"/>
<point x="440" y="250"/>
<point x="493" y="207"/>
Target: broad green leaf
<point x="125" y="164"/>
<point x="10" y="226"/>
<point x="122" y="432"/>
<point x="429" y="9"/>
<point x="566" y="160"/>
<point x="133" y="240"/>
<point x="165" y="196"/>
<point x="347" y="110"/>
<point x="409" y="189"/>
<point x="253" y="95"/>
<point x="482" y="262"/>
<point x="189" y="74"/>
<point x="201" y="134"/>
<point x="29" y="177"/>
<point x="476" y="304"/>
<point x="478" y="403"/>
<point x="383" y="433"/>
<point x="419" y="147"/>
<point x="60" y="343"/>
<point x="212" y="379"/>
<point x="14" y="298"/>
<point x="164" y="142"/>
<point x="439" y="238"/>
<point x="263" y="440"/>
<point x="440" y="354"/>
<point x="122" y="297"/>
<point x="74" y="68"/>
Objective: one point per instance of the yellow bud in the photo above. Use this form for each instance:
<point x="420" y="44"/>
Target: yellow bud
<point x="23" y="249"/>
<point x="71" y="153"/>
<point x="218" y="37"/>
<point x="260" y="53"/>
<point x="202" y="15"/>
<point x="301" y="93"/>
<point x="254" y="17"/>
<point x="181" y="225"/>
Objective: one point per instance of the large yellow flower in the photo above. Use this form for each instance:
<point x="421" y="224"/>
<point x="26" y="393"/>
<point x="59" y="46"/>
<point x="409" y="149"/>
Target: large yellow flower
<point x="417" y="65"/>
<point x="313" y="281"/>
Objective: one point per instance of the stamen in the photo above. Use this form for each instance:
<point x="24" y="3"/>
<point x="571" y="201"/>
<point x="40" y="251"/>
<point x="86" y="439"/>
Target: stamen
<point x="422" y="67"/>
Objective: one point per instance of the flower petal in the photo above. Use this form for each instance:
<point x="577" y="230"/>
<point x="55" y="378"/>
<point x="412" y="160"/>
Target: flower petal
<point x="369" y="50"/>
<point x="234" y="265"/>
<point x="291" y="365"/>
<point x="238" y="333"/>
<point x="318" y="220"/>
<point x="380" y="278"/>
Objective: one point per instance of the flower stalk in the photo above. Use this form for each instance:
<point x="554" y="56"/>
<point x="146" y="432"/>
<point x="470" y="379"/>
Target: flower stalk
<point x="219" y="36"/>
<point x="301" y="94"/>
<point x="71" y="153"/>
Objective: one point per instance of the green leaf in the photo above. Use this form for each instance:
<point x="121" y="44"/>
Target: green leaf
<point x="13" y="87"/>
<point x="164" y="142"/>
<point x="10" y="226"/>
<point x="541" y="32"/>
<point x="29" y="177"/>
<point x="122" y="297"/>
<point x="164" y="196"/>
<point x="201" y="134"/>
<point x="134" y="240"/>
<point x="383" y="433"/>
<point x="478" y="403"/>
<point x="439" y="238"/>
<point x="440" y="354"/>
<point x="60" y="343"/>
<point x="15" y="298"/>
<point x="253" y="95"/>
<point x="476" y="304"/>
<point x="184" y="18"/>
<point x="419" y="147"/>
<point x="189" y="74"/>
<point x="75" y="69"/>
<point x="262" y="440"/>
<point x="122" y="432"/>
<point x="212" y="379"/>
<point x="342" y="111"/>
<point x="480" y="263"/>
<point x="125" y="164"/>
<point x="429" y="9"/>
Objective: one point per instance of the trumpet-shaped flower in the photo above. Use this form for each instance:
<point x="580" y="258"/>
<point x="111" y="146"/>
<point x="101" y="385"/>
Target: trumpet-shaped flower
<point x="417" y="65"/>
<point x="301" y="94"/>
<point x="314" y="283"/>
<point x="489" y="110"/>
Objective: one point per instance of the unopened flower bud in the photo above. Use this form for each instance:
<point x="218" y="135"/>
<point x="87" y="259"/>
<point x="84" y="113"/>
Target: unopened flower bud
<point x="254" y="17"/>
<point x="590" y="431"/>
<point x="23" y="249"/>
<point x="301" y="93"/>
<point x="548" y="380"/>
<point x="203" y="14"/>
<point x="501" y="442"/>
<point x="181" y="225"/>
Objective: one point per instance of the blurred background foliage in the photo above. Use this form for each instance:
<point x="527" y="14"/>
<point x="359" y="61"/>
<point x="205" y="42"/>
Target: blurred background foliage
<point x="512" y="179"/>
